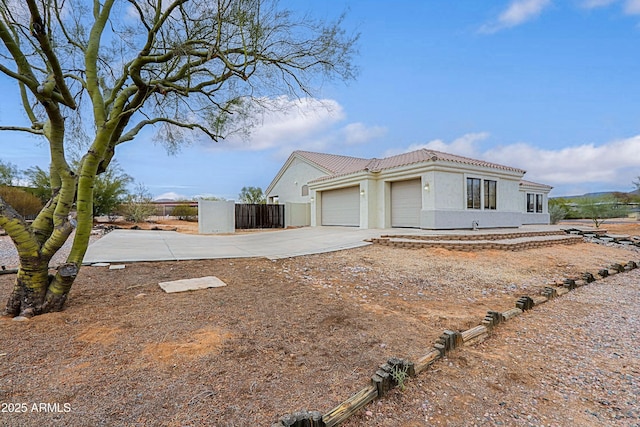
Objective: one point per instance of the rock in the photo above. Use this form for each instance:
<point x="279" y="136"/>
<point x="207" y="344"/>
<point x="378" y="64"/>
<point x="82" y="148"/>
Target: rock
<point x="20" y="319"/>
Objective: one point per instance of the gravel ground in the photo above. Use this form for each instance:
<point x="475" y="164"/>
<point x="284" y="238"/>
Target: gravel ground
<point x="574" y="361"/>
<point x="124" y="353"/>
<point x="9" y="256"/>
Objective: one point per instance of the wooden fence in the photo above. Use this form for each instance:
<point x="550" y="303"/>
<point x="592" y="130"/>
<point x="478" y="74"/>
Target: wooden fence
<point x="259" y="216"/>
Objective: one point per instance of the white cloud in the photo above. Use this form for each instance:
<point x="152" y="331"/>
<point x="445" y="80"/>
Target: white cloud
<point x="285" y="125"/>
<point x="283" y="122"/>
<point x="611" y="165"/>
<point x="592" y="4"/>
<point x="587" y="163"/>
<point x="517" y="13"/>
<point x="358" y="133"/>
<point x="463" y="146"/>
<point x="629" y="7"/>
<point x="632" y="7"/>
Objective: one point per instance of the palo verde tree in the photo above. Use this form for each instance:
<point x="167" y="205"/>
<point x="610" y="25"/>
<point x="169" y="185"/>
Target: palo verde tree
<point x="112" y="68"/>
<point x="252" y="195"/>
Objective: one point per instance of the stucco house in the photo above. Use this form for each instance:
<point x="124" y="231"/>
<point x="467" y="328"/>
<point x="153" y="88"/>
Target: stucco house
<point x="421" y="189"/>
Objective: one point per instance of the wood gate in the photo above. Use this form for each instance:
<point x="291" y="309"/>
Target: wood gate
<point x="259" y="216"/>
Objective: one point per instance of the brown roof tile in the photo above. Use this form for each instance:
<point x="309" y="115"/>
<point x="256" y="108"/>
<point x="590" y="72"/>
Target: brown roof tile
<point x="343" y="165"/>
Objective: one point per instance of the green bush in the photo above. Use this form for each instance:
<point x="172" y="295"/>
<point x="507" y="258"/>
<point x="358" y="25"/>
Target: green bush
<point x="185" y="212"/>
<point x="138" y="206"/>
<point x="556" y="213"/>
<point x="25" y="203"/>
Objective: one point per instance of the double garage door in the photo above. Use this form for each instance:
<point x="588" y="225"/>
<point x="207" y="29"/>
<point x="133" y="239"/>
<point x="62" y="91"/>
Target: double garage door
<point x="342" y="207"/>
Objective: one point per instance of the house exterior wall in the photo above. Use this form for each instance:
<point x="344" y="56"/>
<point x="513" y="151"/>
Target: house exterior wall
<point x="297" y="214"/>
<point x="534" y="217"/>
<point x="443" y="194"/>
<point x="288" y="187"/>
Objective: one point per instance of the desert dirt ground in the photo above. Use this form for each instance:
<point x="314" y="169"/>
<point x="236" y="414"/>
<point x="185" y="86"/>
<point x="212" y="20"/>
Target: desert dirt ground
<point x="298" y="333"/>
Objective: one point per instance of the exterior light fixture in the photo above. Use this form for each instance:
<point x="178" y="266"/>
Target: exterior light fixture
<point x="362" y="192"/>
<point x="426" y="187"/>
<point x="313" y="198"/>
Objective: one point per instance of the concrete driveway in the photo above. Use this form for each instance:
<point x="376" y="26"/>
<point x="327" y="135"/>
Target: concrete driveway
<point x="139" y="245"/>
<point x="144" y="245"/>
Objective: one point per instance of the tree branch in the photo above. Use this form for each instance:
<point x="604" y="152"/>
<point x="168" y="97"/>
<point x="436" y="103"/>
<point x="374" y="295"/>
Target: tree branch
<point x="131" y="134"/>
<point x="32" y="130"/>
<point x="38" y="30"/>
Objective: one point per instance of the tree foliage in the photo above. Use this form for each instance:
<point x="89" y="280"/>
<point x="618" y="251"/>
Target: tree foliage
<point x="110" y="190"/>
<point x="598" y="209"/>
<point x="8" y="173"/>
<point x="103" y="71"/>
<point x="557" y="211"/>
<point x="39" y="182"/>
<point x="185" y="212"/>
<point x="252" y="195"/>
<point x="138" y="205"/>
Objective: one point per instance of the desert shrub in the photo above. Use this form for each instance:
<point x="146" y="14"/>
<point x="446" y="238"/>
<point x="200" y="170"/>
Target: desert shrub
<point x="25" y="203"/>
<point x="185" y="212"/>
<point x="556" y="213"/>
<point x="138" y="206"/>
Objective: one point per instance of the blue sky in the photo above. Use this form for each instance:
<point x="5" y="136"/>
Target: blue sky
<point x="551" y="87"/>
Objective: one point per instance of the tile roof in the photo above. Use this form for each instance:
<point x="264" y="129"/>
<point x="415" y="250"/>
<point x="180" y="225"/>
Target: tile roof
<point x="335" y="164"/>
<point x="343" y="165"/>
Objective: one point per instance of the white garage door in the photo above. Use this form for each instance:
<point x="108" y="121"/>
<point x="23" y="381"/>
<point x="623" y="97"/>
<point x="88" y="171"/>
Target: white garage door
<point x="406" y="203"/>
<point x="341" y="207"/>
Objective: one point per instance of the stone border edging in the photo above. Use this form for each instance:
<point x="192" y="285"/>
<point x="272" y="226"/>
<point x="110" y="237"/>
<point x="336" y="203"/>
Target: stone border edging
<point x="394" y="372"/>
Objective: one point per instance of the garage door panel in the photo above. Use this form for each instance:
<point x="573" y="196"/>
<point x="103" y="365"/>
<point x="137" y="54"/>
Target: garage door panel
<point x="341" y="207"/>
<point x="406" y="203"/>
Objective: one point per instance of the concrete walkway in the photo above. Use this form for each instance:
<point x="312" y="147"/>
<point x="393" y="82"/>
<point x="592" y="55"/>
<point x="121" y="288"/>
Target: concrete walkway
<point x="139" y="245"/>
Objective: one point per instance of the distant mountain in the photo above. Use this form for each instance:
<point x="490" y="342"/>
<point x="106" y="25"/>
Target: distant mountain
<point x="598" y="194"/>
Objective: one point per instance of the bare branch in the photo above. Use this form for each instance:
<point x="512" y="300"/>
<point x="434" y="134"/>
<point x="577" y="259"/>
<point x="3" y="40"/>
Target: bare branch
<point x="35" y="131"/>
<point x="131" y="134"/>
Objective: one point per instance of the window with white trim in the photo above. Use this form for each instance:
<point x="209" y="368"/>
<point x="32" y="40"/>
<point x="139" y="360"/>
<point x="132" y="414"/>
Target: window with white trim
<point x="534" y="203"/>
<point x="473" y="193"/>
<point x="482" y="194"/>
<point x="490" y="189"/>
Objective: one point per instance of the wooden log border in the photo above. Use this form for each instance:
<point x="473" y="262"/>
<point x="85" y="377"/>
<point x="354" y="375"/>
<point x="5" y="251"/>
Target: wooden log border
<point x="394" y="371"/>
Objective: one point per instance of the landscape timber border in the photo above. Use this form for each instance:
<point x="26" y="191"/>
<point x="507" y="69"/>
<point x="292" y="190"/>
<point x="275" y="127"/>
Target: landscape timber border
<point x="393" y="373"/>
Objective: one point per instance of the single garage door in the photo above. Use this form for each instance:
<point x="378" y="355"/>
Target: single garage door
<point x="406" y="203"/>
<point x="341" y="207"/>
